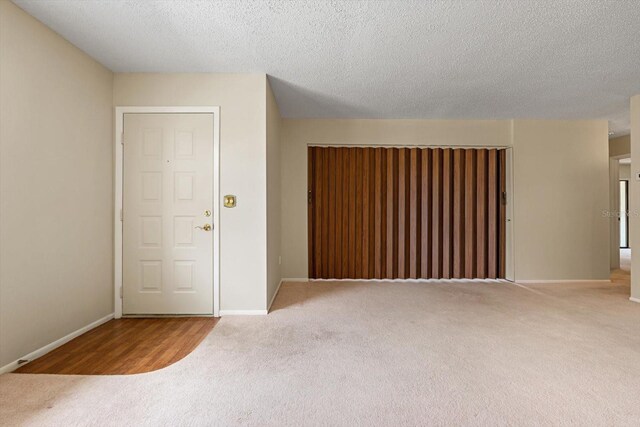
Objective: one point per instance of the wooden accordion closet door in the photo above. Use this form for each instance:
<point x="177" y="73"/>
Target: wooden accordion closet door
<point x="400" y="213"/>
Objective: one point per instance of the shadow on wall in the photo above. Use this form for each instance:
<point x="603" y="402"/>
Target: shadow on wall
<point x="298" y="102"/>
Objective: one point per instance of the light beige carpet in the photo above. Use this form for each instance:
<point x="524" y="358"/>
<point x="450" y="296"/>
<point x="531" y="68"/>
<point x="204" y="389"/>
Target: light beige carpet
<point x="378" y="354"/>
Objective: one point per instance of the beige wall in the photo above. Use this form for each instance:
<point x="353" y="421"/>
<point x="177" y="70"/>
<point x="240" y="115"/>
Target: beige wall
<point x="620" y="147"/>
<point x="624" y="172"/>
<point x="634" y="202"/>
<point x="243" y="129"/>
<point x="554" y="161"/>
<point x="614" y="207"/>
<point x="273" y="195"/>
<point x="56" y="200"/>
<point x="561" y="191"/>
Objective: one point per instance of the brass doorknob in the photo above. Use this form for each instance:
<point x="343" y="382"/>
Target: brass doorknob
<point x="206" y="227"/>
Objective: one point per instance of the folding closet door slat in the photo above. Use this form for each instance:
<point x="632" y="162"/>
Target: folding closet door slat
<point x="492" y="214"/>
<point x="379" y="200"/>
<point x="317" y="200"/>
<point x="326" y="193"/>
<point x="352" y="211"/>
<point x="447" y="213"/>
<point x="414" y="213"/>
<point x="470" y="217"/>
<point x="372" y="217"/>
<point x="503" y="213"/>
<point x="458" y="213"/>
<point x="366" y="205"/>
<point x="425" y="213"/>
<point x="357" y="215"/>
<point x="346" y="196"/>
<point x="331" y="206"/>
<point x="310" y="212"/>
<point x="481" y="213"/>
<point x="392" y="217"/>
<point x="339" y="168"/>
<point x="402" y="212"/>
<point x="384" y="217"/>
<point x="436" y="212"/>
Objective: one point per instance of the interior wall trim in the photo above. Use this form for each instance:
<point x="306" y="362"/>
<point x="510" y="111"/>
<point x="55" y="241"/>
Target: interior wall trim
<point x="532" y="281"/>
<point x="275" y="294"/>
<point x="53" y="345"/>
<point x="243" y="312"/>
<point x="374" y="145"/>
<point x="426" y="281"/>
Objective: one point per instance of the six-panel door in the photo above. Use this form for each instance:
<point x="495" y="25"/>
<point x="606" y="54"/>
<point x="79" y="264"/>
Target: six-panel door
<point x="168" y="191"/>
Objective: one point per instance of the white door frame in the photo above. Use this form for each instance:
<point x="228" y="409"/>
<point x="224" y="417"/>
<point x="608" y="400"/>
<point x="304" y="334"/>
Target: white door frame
<point x="509" y="256"/>
<point x="118" y="162"/>
<point x="614" y="206"/>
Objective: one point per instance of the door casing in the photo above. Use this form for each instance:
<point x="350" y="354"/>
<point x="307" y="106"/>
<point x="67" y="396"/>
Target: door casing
<point x="118" y="194"/>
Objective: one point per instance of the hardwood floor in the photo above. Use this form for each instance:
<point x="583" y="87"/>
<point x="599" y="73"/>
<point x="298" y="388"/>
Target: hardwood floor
<point x="623" y="274"/>
<point x="125" y="346"/>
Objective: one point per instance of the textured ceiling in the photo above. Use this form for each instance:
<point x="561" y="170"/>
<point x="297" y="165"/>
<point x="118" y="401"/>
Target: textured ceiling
<point x="382" y="59"/>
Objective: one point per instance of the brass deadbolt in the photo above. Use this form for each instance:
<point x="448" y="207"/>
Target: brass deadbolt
<point x="229" y="201"/>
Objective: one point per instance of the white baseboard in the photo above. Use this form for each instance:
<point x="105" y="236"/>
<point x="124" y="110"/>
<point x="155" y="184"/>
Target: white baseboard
<point x="530" y="281"/>
<point x="409" y="280"/>
<point x="242" y="312"/>
<point x="273" y="298"/>
<point x="634" y="299"/>
<point x="526" y="282"/>
<point x="52" y="346"/>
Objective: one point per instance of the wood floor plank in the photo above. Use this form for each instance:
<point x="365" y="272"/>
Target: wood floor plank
<point x="125" y="346"/>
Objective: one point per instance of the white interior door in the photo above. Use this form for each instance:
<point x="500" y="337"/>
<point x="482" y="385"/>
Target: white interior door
<point x="167" y="210"/>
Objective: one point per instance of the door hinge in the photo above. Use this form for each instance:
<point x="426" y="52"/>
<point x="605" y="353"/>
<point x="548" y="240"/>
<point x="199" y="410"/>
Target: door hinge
<point x="120" y="292"/>
<point x="122" y="138"/>
<point x="310" y="197"/>
<point x="120" y="214"/>
<point x="504" y="197"/>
